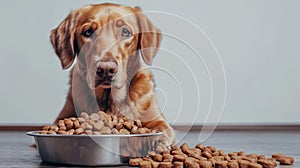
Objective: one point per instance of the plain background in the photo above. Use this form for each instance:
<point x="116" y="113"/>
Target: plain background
<point x="258" y="42"/>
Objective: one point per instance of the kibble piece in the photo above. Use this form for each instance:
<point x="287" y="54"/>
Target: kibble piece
<point x="54" y="128"/>
<point x="286" y="161"/>
<point x="175" y="147"/>
<point x="84" y="115"/>
<point x="61" y="123"/>
<point x="184" y="147"/>
<point x="72" y="118"/>
<point x="81" y="120"/>
<point x="138" y="123"/>
<point x="241" y="153"/>
<point x="199" y="146"/>
<point x="51" y="132"/>
<point x="94" y="117"/>
<point x="221" y="164"/>
<point x="105" y="130"/>
<point x="97" y="133"/>
<point x="179" y="158"/>
<point x="87" y="126"/>
<point x="278" y="156"/>
<point x="165" y="165"/>
<point x="273" y="160"/>
<point x="177" y="165"/>
<point x="46" y="128"/>
<point x="159" y="149"/>
<point x="205" y="164"/>
<point x="243" y="163"/>
<point x="191" y="163"/>
<point x="142" y="130"/>
<point x="128" y="125"/>
<point x="158" y="157"/>
<point x="76" y="124"/>
<point x="254" y="165"/>
<point x="215" y="154"/>
<point x="236" y="157"/>
<point x="43" y="132"/>
<point x="145" y="164"/>
<point x="109" y="124"/>
<point x="168" y="158"/>
<point x="226" y="157"/>
<point x="147" y="158"/>
<point x="124" y="131"/>
<point x="176" y="152"/>
<point x="213" y="162"/>
<point x="119" y="126"/>
<point x="260" y="157"/>
<point x="252" y="156"/>
<point x="89" y="132"/>
<point x="62" y="132"/>
<point x="231" y="154"/>
<point x="151" y="153"/>
<point x="203" y="159"/>
<point x="63" y="128"/>
<point x="70" y="132"/>
<point x="98" y="125"/>
<point x="135" y="161"/>
<point x="134" y="129"/>
<point x="221" y="152"/>
<point x="115" y="131"/>
<point x="206" y="149"/>
<point x="120" y="120"/>
<point x="266" y="163"/>
<point x="195" y="153"/>
<point x="232" y="164"/>
<point x="218" y="158"/>
<point x="212" y="149"/>
<point x="206" y="154"/>
<point x="248" y="159"/>
<point x="166" y="152"/>
<point x="154" y="164"/>
<point x="90" y="122"/>
<point x="153" y="131"/>
<point x="79" y="131"/>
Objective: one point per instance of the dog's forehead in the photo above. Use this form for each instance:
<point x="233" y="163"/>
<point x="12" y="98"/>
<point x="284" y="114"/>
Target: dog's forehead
<point x="108" y="13"/>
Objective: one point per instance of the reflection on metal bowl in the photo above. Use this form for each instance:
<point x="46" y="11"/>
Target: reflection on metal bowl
<point x="94" y="150"/>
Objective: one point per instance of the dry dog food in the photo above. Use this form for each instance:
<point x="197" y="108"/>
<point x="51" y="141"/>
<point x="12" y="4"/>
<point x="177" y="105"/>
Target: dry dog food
<point x="284" y="160"/>
<point x="207" y="157"/>
<point x="97" y="124"/>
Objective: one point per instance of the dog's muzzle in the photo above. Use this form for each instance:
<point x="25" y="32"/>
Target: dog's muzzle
<point x="105" y="72"/>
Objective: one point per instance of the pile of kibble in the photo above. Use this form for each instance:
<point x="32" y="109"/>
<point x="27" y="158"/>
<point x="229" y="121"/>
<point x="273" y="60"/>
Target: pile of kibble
<point x="97" y="124"/>
<point x="207" y="157"/>
<point x="165" y="157"/>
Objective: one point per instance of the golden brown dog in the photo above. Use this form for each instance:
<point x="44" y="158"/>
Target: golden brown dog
<point x="108" y="42"/>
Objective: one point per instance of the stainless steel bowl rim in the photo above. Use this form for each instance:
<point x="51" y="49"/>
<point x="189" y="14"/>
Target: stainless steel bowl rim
<point x="37" y="134"/>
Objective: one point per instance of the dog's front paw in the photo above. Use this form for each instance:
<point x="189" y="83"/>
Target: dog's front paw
<point x="162" y="126"/>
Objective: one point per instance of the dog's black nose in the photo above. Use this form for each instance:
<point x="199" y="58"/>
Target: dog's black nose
<point x="107" y="69"/>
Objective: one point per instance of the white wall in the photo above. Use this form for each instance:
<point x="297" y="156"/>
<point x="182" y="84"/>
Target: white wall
<point x="258" y="42"/>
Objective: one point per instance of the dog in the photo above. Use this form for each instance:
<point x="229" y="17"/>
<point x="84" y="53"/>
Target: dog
<point x="108" y="47"/>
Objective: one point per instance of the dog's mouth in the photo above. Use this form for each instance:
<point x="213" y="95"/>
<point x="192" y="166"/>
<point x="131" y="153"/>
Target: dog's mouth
<point x="105" y="84"/>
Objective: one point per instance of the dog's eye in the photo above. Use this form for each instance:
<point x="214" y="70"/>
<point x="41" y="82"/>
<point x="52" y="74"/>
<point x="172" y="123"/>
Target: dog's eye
<point x="125" y="33"/>
<point x="88" y="32"/>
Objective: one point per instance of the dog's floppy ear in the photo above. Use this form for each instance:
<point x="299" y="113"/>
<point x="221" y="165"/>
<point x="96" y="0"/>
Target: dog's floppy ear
<point x="63" y="40"/>
<point x="149" y="37"/>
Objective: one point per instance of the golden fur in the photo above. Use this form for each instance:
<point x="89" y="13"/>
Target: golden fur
<point x="132" y="90"/>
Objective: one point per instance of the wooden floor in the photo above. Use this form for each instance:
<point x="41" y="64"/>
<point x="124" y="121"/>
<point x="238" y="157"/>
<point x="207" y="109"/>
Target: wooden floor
<point x="15" y="150"/>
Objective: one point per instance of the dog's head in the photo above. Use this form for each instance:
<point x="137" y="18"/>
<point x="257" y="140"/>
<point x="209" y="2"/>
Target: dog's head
<point x="103" y="38"/>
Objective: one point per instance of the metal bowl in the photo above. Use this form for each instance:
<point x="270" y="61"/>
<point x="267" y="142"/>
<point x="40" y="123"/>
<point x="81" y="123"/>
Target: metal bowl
<point x="94" y="150"/>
